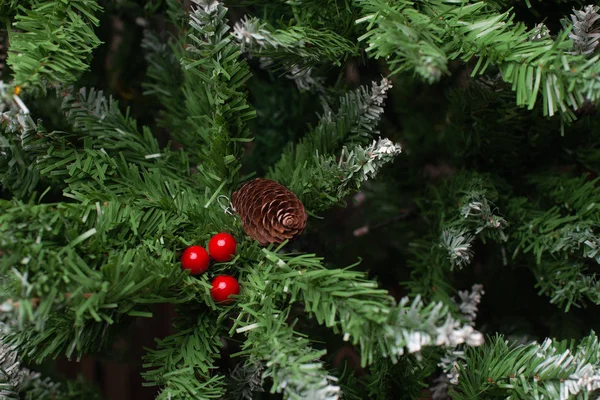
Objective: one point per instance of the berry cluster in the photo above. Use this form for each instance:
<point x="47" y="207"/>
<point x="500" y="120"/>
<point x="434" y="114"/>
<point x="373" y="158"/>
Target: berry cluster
<point x="221" y="248"/>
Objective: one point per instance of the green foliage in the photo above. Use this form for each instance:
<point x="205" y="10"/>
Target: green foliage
<point x="333" y="15"/>
<point x="460" y="210"/>
<point x="90" y="292"/>
<point x="421" y="39"/>
<point x="215" y="97"/>
<point x="105" y="256"/>
<point x="96" y="208"/>
<point x="306" y="168"/>
<point x="567" y="284"/>
<point x="117" y="134"/>
<point x="549" y="370"/>
<point x="403" y="380"/>
<point x="58" y="157"/>
<point x="340" y="299"/>
<point x="437" y="31"/>
<point x="21" y="143"/>
<point x="567" y="227"/>
<point x="182" y="363"/>
<point x="164" y="79"/>
<point x="52" y="42"/>
<point x="356" y="308"/>
<point x="294" y="46"/>
<point x="290" y="362"/>
<point x="203" y="99"/>
<point x="561" y="233"/>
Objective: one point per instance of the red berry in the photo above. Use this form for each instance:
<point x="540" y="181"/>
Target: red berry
<point x="224" y="286"/>
<point x="196" y="259"/>
<point x="222" y="247"/>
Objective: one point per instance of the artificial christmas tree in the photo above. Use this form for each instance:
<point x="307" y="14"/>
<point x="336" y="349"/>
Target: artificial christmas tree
<point x="253" y="127"/>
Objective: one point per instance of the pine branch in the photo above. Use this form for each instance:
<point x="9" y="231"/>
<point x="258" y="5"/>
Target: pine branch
<point x="340" y="299"/>
<point x="560" y="232"/>
<point x="361" y="163"/>
<point x="536" y="68"/>
<point x="308" y="168"/>
<point x="18" y="382"/>
<point x="296" y="46"/>
<point x="345" y="174"/>
<point x="182" y="364"/>
<point x="421" y="48"/>
<point x="455" y="229"/>
<point x="97" y="117"/>
<point x="52" y="43"/>
<point x="567" y="228"/>
<point x="14" y="379"/>
<point x="458" y="243"/>
<point x="585" y="33"/>
<point x="568" y="284"/>
<point x="37" y="157"/>
<point x="22" y="141"/>
<point x="293" y="365"/>
<point x="304" y="78"/>
<point x="165" y="78"/>
<point x="356" y="120"/>
<point x="477" y="217"/>
<point x="332" y="15"/>
<point x="245" y="380"/>
<point x="140" y="240"/>
<point x="454" y="358"/>
<point x="355" y="307"/>
<point x="469" y="302"/>
<point x="215" y="96"/>
<point x="554" y="370"/>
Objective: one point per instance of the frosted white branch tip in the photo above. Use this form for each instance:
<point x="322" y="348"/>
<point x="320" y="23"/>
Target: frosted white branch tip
<point x="469" y="302"/>
<point x="586" y="30"/>
<point x="250" y="31"/>
<point x="208" y="6"/>
<point x="418" y="325"/>
<point x="15" y="377"/>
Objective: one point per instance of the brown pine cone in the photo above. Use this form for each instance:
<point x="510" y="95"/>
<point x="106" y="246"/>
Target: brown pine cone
<point x="270" y="213"/>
